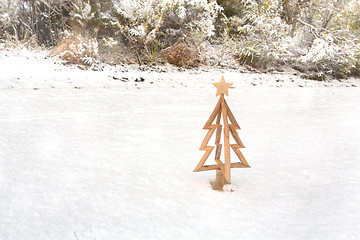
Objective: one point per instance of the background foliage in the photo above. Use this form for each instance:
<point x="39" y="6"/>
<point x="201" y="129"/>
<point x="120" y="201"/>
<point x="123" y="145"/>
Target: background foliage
<point x="320" y="36"/>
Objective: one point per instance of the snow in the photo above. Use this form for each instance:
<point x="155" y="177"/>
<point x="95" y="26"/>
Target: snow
<point x="38" y="71"/>
<point x="111" y="160"/>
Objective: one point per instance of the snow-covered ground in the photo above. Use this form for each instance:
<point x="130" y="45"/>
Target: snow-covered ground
<point x="84" y="153"/>
<point x="34" y="70"/>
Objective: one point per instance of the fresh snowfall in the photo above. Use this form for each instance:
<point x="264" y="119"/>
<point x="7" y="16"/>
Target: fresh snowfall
<point x="110" y="154"/>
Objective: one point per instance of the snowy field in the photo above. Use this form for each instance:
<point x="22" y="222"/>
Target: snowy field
<point x="84" y="153"/>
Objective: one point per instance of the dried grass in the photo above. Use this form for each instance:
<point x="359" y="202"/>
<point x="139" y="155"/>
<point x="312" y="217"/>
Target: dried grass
<point x="76" y="49"/>
<point x="181" y="54"/>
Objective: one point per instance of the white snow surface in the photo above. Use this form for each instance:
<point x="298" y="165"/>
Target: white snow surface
<point x="20" y="68"/>
<point x="83" y="154"/>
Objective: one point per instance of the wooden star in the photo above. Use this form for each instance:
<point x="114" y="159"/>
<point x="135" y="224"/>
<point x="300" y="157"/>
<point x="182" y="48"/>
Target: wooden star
<point x="222" y="87"/>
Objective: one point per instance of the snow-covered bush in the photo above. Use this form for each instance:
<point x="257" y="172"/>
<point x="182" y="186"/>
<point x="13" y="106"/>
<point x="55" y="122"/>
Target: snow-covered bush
<point x="43" y="20"/>
<point x="231" y="7"/>
<point x="8" y="17"/>
<point x="261" y="35"/>
<point x="146" y="23"/>
<point x="75" y="48"/>
<point x="82" y="13"/>
<point x="314" y="35"/>
<point x="317" y="34"/>
<point x="327" y="36"/>
<point x="336" y="58"/>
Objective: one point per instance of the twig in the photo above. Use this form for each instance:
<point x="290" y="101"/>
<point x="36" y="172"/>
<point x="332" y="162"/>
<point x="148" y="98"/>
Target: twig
<point x="76" y="236"/>
<point x="314" y="30"/>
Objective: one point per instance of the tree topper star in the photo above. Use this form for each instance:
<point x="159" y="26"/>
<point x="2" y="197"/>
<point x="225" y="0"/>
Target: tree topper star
<point x="222" y="87"/>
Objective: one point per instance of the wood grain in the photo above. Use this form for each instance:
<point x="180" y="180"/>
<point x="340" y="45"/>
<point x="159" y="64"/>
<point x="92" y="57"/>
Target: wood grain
<point x="226" y="139"/>
<point x="231" y="116"/>
<point x="213" y="115"/>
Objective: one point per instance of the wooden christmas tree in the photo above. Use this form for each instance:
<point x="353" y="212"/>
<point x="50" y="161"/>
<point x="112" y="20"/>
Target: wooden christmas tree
<point x="223" y="175"/>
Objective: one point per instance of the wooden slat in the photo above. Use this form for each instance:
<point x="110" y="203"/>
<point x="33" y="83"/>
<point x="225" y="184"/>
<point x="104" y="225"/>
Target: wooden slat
<point x="236" y="136"/>
<point x="213" y="115"/>
<point x="219" y="162"/>
<point x="204" y="158"/>
<point x="227" y="173"/>
<point x="239" y="165"/>
<point x="238" y="146"/>
<point x="208" y="167"/>
<point x="231" y="116"/>
<point x="218" y="133"/>
<point x="217" y="143"/>
<point x="218" y="117"/>
<point x="218" y="151"/>
<point x="240" y="155"/>
<point x="217" y="166"/>
<point x="222" y="166"/>
<point x="218" y="130"/>
<point x="220" y="180"/>
<point x="207" y="137"/>
<point x="212" y="128"/>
